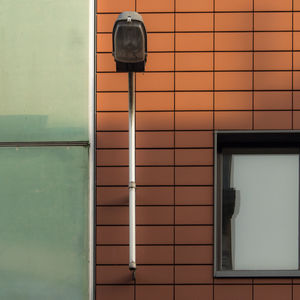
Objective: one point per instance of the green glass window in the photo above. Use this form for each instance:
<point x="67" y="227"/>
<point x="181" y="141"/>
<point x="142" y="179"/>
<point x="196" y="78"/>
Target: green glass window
<point x="44" y="223"/>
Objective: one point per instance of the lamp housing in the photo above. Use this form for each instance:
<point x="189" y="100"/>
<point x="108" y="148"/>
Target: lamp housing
<point x="130" y="42"/>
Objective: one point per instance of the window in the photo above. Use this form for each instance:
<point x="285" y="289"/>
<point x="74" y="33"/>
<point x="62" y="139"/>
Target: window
<point x="257" y="204"/>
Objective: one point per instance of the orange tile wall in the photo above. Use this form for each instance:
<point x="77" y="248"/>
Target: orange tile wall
<point x="212" y="64"/>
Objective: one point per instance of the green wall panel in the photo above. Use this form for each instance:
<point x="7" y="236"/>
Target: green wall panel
<point x="44" y="70"/>
<point x="44" y="223"/>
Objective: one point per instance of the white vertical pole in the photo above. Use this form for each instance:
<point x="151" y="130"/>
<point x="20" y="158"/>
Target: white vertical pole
<point x="132" y="185"/>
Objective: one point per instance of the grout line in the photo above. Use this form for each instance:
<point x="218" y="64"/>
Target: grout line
<point x="292" y="111"/>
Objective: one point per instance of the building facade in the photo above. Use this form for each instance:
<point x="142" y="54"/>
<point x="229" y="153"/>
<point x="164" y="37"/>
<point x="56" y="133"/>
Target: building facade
<point x="213" y="65"/>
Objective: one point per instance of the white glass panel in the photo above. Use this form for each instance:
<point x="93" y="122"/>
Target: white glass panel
<point x="265" y="222"/>
<point x="44" y="70"/>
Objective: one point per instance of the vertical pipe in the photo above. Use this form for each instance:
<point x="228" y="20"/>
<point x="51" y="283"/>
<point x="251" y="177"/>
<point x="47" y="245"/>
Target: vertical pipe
<point x="132" y="185"/>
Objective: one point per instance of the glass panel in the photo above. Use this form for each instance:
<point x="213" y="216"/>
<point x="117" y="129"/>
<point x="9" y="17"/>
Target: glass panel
<point x="264" y="224"/>
<point x="44" y="70"/>
<point x="44" y="223"/>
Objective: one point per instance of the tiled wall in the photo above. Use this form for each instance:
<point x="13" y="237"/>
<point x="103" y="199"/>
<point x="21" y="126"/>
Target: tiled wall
<point x="212" y="64"/>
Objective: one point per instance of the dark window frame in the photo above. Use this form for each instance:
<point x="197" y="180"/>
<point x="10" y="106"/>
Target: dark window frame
<point x="246" y="142"/>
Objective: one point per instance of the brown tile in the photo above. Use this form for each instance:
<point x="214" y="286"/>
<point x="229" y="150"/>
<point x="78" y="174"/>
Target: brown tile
<point x="194" y="120"/>
<point x="154" y="235"/>
<point x="233" y="120"/>
<point x="155" y="195"/>
<point x="154" y="255"/>
<point x="113" y="6"/>
<point x="112" y="175"/>
<point x="194" y="292"/>
<point x="194" y="176"/>
<point x="194" y="157"/>
<point x="233" y="100"/>
<point x="296" y="119"/>
<point x="155" y="6"/>
<point x="296" y="60"/>
<point x="188" y="139"/>
<point x="113" y="275"/>
<point x="193" y="274"/>
<point x="154" y="101"/>
<point x="105" y="22"/>
<point x="157" y="22"/>
<point x="233" y="81"/>
<point x="296" y="42"/>
<point x="105" y="62"/>
<point x="160" y="62"/>
<point x="296" y="80"/>
<point x="274" y="292"/>
<point x="194" y="42"/>
<point x="154" y="81"/>
<point x="296" y="4"/>
<point x="272" y="281"/>
<point x="239" y="5"/>
<point x="112" y="121"/>
<point x="195" y="235"/>
<point x="155" y="139"/>
<point x="112" y="292"/>
<point x="272" y="61"/>
<point x="158" y="292"/>
<point x="273" y="80"/>
<point x="234" y="21"/>
<point x="155" y="157"/>
<point x="297" y="20"/>
<point x="296" y="281"/>
<point x="112" y="139"/>
<point x="160" y="42"/>
<point x="149" y="175"/>
<point x="107" y="255"/>
<point x="232" y="281"/>
<point x="273" y="21"/>
<point x="296" y="292"/>
<point x="193" y="195"/>
<point x="193" y="81"/>
<point x="193" y="254"/>
<point x="193" y="100"/>
<point x="112" y="196"/>
<point x="272" y="41"/>
<point x="112" y="157"/>
<point x="112" y="235"/>
<point x="296" y="100"/>
<point x="155" y="121"/>
<point x="145" y="215"/>
<point x="112" y="101"/>
<point x="272" y="120"/>
<point x="272" y="100"/>
<point x="194" y="215"/>
<point x="194" y="22"/>
<point x="192" y="5"/>
<point x="112" y="215"/>
<point x="154" y="215"/>
<point x="154" y="275"/>
<point x="233" y="41"/>
<point x="233" y="292"/>
<point x="233" y="61"/>
<point x="272" y="5"/>
<point x="104" y="42"/>
<point x="194" y="61"/>
<point x="112" y="82"/>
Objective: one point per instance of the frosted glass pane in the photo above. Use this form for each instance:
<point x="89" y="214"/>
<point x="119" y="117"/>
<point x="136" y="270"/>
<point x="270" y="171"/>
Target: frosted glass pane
<point x="44" y="223"/>
<point x="43" y="70"/>
<point x="265" y="221"/>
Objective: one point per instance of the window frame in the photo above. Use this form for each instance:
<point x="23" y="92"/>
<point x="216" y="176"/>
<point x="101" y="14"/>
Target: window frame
<point x="248" y="142"/>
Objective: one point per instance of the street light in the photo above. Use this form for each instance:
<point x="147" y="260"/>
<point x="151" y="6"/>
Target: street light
<point x="130" y="53"/>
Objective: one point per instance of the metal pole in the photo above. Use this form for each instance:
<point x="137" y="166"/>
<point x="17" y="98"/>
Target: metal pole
<point x="132" y="185"/>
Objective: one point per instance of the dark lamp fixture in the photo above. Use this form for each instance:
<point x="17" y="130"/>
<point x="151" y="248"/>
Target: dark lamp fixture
<point x="130" y="42"/>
